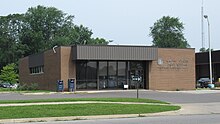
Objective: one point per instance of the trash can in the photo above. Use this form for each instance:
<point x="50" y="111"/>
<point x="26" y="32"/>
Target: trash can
<point x="60" y="86"/>
<point x="71" y="83"/>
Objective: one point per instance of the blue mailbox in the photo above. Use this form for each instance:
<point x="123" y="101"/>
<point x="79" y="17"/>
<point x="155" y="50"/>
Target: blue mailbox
<point x="60" y="86"/>
<point x="71" y="85"/>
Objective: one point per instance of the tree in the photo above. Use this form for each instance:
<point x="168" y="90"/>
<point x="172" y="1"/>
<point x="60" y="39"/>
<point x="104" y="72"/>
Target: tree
<point x="167" y="32"/>
<point x="204" y="50"/>
<point x="8" y="74"/>
<point x="10" y="27"/>
<point x="37" y="30"/>
<point x="46" y="27"/>
<point x="41" y="26"/>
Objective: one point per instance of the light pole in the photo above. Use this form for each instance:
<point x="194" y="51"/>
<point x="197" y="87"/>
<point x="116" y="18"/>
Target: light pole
<point x="210" y="55"/>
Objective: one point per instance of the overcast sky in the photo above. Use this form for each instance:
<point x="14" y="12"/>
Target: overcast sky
<point x="129" y="21"/>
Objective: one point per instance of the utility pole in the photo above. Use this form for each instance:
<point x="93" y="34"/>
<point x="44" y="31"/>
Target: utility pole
<point x="202" y="26"/>
<point x="210" y="54"/>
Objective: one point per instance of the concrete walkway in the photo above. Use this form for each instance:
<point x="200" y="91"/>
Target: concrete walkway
<point x="199" y="108"/>
<point x="77" y="102"/>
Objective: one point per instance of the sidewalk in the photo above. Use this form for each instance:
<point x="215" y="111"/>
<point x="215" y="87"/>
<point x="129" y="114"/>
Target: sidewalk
<point x="82" y="92"/>
<point x="77" y="102"/>
<point x="202" y="91"/>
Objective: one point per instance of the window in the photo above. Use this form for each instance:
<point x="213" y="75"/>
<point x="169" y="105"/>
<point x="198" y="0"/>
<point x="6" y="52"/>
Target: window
<point x="121" y="69"/>
<point x="91" y="71"/>
<point x="103" y="69"/>
<point x="112" y="68"/>
<point x="121" y="74"/>
<point x="37" y="70"/>
<point x="86" y="74"/>
<point x="81" y="70"/>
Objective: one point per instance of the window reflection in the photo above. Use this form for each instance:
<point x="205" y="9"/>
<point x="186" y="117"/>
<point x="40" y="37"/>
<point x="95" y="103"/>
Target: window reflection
<point x="121" y="68"/>
<point x="103" y="74"/>
<point x="86" y="75"/>
<point x="109" y="74"/>
<point x="91" y="71"/>
<point x="121" y="74"/>
<point x="112" y="77"/>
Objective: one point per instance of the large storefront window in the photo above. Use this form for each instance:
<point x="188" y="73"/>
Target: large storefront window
<point x="112" y="75"/>
<point x="103" y="74"/>
<point x="86" y="75"/>
<point x="121" y="74"/>
<point x="108" y="74"/>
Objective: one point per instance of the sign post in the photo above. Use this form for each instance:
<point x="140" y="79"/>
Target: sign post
<point x="137" y="89"/>
<point x="137" y="79"/>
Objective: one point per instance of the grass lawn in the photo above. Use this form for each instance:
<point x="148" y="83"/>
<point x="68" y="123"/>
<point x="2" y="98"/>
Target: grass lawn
<point x="84" y="99"/>
<point x="22" y="91"/>
<point x="80" y="110"/>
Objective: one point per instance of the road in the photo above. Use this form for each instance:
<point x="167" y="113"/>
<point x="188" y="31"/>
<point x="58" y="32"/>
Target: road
<point x="184" y="119"/>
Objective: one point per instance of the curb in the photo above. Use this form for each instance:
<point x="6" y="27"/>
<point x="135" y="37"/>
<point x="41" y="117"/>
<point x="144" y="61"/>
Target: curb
<point x="80" y="102"/>
<point x="71" y="118"/>
<point x="75" y="92"/>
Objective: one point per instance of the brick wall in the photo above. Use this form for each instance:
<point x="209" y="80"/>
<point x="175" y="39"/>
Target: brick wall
<point x="57" y="66"/>
<point x="174" y="70"/>
<point x="67" y="66"/>
<point x="46" y="80"/>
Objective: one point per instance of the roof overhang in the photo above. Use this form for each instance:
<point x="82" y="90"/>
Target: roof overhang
<point x="114" y="52"/>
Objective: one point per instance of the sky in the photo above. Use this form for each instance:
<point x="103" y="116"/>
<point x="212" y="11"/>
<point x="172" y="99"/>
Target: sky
<point x="128" y="22"/>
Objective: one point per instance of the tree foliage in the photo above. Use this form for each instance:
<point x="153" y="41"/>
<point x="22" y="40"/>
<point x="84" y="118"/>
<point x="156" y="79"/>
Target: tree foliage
<point x="167" y="32"/>
<point x="204" y="50"/>
<point x="37" y="30"/>
<point x="10" y="27"/>
<point x="8" y="74"/>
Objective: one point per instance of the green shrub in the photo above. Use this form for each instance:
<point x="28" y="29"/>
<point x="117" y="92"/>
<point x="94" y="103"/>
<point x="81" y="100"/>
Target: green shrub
<point x="32" y="86"/>
<point x="8" y="74"/>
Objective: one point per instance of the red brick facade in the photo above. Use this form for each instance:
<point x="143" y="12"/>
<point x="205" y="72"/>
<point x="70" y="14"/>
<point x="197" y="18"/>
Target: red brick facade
<point x="174" y="69"/>
<point x="52" y="69"/>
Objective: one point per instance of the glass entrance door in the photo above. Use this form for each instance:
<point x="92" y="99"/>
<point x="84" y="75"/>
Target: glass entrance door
<point x="137" y="69"/>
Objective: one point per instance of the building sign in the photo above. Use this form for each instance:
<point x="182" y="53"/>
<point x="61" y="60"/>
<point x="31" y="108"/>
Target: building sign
<point x="173" y="64"/>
